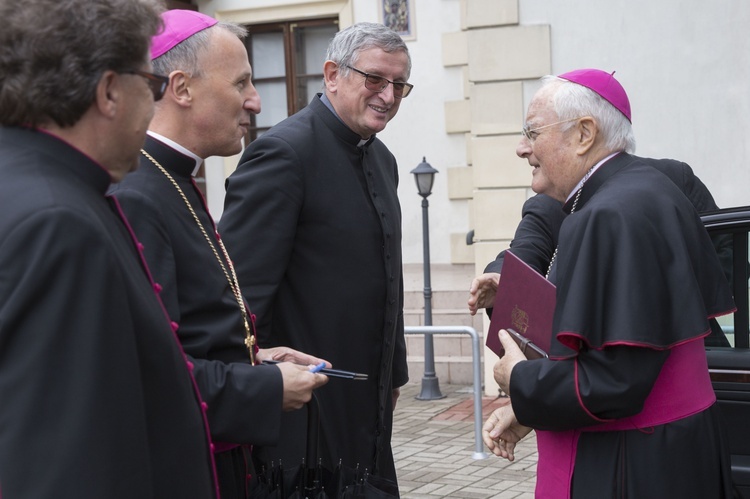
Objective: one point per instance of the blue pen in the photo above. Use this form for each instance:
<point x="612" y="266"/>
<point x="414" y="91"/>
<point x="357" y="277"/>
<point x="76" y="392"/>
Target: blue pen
<point x="318" y="368"/>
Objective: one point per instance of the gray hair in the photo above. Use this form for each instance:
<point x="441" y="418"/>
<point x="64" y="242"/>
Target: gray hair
<point x="184" y="56"/>
<point x="345" y="47"/>
<point x="53" y="54"/>
<point x="572" y="101"/>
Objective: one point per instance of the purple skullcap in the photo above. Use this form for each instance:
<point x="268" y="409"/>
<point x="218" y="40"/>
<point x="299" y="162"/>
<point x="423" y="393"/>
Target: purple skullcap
<point x="179" y="25"/>
<point x="604" y="84"/>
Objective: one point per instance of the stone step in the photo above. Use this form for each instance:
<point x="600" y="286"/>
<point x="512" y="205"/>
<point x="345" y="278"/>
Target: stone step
<point x="443" y="277"/>
<point x="450" y="290"/>
<point x="439" y="299"/>
<point x="453" y="353"/>
<point x="443" y="317"/>
<point x="453" y="370"/>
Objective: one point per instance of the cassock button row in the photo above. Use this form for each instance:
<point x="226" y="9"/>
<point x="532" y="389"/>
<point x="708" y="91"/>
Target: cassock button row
<point x="141" y="247"/>
<point x="190" y="366"/>
<point x="212" y="447"/>
<point x="204" y="406"/>
<point x="174" y="326"/>
<point x="157" y="287"/>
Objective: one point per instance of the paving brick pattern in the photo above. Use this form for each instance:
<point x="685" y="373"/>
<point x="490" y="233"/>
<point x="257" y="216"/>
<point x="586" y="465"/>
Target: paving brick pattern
<point x="433" y="445"/>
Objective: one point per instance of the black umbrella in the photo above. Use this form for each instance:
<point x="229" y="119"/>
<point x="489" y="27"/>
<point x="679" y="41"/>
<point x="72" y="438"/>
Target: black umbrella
<point x="311" y="480"/>
<point x="301" y="481"/>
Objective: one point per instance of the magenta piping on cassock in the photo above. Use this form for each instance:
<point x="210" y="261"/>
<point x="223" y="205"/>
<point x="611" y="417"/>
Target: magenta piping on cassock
<point x="174" y="326"/>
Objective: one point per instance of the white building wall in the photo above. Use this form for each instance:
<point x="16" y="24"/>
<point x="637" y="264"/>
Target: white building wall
<point x="685" y="66"/>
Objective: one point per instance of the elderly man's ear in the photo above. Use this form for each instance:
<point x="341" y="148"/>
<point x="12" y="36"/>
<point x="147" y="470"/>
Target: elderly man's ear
<point x="587" y="132"/>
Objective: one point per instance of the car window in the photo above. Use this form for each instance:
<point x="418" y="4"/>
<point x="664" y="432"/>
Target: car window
<point x="727" y="348"/>
<point x="724" y="335"/>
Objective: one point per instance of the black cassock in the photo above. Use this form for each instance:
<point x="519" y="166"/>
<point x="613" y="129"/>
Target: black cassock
<point x="244" y="401"/>
<point x="96" y="399"/>
<point x="313" y="222"/>
<point x="636" y="275"/>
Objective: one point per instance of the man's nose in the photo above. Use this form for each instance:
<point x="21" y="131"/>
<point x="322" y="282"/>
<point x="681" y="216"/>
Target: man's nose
<point x="523" y="149"/>
<point x="252" y="100"/>
<point x="387" y="94"/>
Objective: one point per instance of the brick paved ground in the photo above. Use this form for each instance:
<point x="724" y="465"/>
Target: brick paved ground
<point x="433" y="445"/>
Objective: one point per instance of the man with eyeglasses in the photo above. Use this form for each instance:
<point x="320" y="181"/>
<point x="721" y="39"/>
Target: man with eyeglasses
<point x="313" y="220"/>
<point x="625" y="398"/>
<point x="205" y="112"/>
<point x="96" y="397"/>
<point x="535" y="238"/>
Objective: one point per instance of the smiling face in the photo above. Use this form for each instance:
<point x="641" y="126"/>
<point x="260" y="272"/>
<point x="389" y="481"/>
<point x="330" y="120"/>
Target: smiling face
<point x="364" y="111"/>
<point x="223" y="96"/>
<point x="552" y="150"/>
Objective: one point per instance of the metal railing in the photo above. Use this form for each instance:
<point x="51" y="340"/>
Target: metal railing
<point x="475" y="360"/>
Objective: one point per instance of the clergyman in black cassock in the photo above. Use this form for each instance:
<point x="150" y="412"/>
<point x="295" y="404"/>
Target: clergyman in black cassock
<point x="96" y="396"/>
<point x="313" y="219"/>
<point x="197" y="118"/>
<point x="625" y="397"/>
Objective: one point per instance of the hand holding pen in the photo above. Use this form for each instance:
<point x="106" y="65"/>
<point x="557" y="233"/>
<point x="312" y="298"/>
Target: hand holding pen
<point x="334" y="373"/>
<point x="318" y="368"/>
<point x="297" y="383"/>
<point x="286" y="354"/>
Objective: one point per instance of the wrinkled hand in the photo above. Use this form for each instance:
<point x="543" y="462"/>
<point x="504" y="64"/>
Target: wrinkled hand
<point x="482" y="291"/>
<point x="299" y="383"/>
<point x="504" y="366"/>
<point x="286" y="354"/>
<point x="501" y="432"/>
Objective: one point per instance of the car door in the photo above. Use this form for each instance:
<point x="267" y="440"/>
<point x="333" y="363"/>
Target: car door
<point x="729" y="357"/>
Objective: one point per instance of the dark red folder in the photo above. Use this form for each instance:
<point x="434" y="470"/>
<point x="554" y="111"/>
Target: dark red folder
<point x="524" y="305"/>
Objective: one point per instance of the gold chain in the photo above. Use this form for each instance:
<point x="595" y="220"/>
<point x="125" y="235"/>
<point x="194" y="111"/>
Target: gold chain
<point x="232" y="280"/>
<point x="572" y="209"/>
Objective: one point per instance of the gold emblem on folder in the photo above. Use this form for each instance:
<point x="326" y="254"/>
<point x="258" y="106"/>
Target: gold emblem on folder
<point x="519" y="319"/>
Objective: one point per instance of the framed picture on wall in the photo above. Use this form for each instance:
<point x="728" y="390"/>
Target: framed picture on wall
<point x="399" y="16"/>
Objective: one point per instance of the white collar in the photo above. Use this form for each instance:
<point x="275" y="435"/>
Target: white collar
<point x="177" y="147"/>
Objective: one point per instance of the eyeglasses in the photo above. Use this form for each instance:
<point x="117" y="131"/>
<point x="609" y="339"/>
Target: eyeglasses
<point x="378" y="84"/>
<point x="531" y="133"/>
<point x="157" y="83"/>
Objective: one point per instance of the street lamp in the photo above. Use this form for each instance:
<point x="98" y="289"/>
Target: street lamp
<point x="424" y="175"/>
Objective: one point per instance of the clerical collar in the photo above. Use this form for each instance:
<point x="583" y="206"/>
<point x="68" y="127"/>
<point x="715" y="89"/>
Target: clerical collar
<point x="579" y="185"/>
<point x="177" y="147"/>
<point x="327" y="102"/>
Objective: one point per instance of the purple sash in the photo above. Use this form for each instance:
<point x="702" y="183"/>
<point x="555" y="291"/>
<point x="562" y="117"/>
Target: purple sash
<point x="682" y="389"/>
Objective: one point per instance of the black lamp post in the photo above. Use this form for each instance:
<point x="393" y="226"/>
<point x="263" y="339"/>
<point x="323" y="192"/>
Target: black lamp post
<point x="424" y="175"/>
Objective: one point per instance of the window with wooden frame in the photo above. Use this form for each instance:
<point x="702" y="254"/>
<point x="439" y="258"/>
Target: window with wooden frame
<point x="287" y="60"/>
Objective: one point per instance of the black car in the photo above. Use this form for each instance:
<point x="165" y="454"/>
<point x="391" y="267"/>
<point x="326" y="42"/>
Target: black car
<point x="728" y="349"/>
